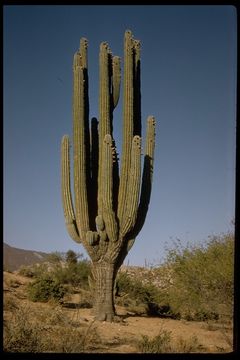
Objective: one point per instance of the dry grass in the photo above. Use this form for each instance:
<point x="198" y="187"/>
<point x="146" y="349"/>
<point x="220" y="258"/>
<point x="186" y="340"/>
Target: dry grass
<point x="165" y="343"/>
<point x="46" y="330"/>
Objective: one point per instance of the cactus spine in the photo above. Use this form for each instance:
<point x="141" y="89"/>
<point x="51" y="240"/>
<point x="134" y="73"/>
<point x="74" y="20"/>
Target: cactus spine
<point x="110" y="206"/>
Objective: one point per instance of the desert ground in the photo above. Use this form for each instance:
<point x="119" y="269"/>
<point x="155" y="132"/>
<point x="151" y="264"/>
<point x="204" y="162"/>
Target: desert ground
<point x="62" y="322"/>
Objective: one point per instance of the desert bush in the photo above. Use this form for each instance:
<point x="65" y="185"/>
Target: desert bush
<point x="164" y="343"/>
<point x="72" y="273"/>
<point x="198" y="285"/>
<point x="70" y="270"/>
<point x="202" y="279"/>
<point x="158" y="344"/>
<point x="76" y="340"/>
<point x="63" y="269"/>
<point x="44" y="289"/>
<point x="55" y="257"/>
<point x="71" y="257"/>
<point x="33" y="271"/>
<point x="47" y="331"/>
<point x="20" y="334"/>
<point x="142" y="293"/>
<point x="26" y="271"/>
<point x="142" y="298"/>
<point x="191" y="345"/>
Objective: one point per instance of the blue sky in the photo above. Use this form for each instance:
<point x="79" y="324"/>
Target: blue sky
<point x="188" y="82"/>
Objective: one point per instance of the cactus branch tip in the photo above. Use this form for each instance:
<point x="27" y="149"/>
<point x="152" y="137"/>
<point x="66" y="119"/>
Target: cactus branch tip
<point x="151" y="119"/>
<point x="84" y="42"/>
<point x="116" y="59"/>
<point x="137" y="44"/>
<point x="108" y="139"/>
<point x="104" y="45"/>
<point x="65" y="141"/>
<point x="137" y="140"/>
<point x="65" y="138"/>
<point x="128" y="32"/>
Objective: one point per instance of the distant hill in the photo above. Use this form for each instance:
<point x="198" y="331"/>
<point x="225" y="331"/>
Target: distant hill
<point x="13" y="257"/>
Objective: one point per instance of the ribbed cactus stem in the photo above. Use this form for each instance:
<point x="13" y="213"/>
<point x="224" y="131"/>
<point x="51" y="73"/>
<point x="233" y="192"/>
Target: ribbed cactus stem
<point x="94" y="145"/>
<point x="83" y="51"/>
<point x="137" y="87"/>
<point x="92" y="238"/>
<point x="100" y="223"/>
<point x="146" y="178"/>
<point x="66" y="192"/>
<point x="128" y="122"/>
<point x="116" y="79"/>
<point x="80" y="173"/>
<point x="133" y="187"/>
<point x="104" y="110"/>
<point x="150" y="141"/>
<point x="107" y="189"/>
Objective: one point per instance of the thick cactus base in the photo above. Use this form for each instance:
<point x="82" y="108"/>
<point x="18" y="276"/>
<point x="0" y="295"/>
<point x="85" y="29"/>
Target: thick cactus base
<point x="104" y="276"/>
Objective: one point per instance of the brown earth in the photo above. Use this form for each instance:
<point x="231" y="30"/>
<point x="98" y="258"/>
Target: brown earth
<point x="117" y="337"/>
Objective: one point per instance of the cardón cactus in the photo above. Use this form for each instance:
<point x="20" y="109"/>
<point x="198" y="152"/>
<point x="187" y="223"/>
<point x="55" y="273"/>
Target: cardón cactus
<point x="110" y="204"/>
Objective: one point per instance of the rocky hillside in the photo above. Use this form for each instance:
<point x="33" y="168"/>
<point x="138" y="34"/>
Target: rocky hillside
<point x="160" y="277"/>
<point x="13" y="257"/>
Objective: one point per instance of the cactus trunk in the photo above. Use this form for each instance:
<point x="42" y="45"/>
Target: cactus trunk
<point x="110" y="206"/>
<point x="104" y="274"/>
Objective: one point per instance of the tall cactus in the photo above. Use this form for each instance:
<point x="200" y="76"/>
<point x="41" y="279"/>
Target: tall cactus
<point x="110" y="204"/>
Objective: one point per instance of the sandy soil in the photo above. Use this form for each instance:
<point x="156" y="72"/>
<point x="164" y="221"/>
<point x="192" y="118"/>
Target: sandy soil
<point x="132" y="328"/>
<point x="121" y="337"/>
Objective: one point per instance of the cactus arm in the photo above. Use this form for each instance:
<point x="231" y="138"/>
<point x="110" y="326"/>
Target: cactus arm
<point x="127" y="123"/>
<point x="130" y="244"/>
<point x="66" y="191"/>
<point x="101" y="228"/>
<point x="84" y="62"/>
<point x="137" y="89"/>
<point x="80" y="177"/>
<point x="92" y="238"/>
<point x="104" y="110"/>
<point x="115" y="176"/>
<point x="133" y="187"/>
<point x="146" y="178"/>
<point x="107" y="189"/>
<point x="83" y="51"/>
<point x="116" y="79"/>
<point x="94" y="167"/>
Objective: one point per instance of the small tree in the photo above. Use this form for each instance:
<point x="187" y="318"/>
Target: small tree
<point x="71" y="257"/>
<point x="55" y="257"/>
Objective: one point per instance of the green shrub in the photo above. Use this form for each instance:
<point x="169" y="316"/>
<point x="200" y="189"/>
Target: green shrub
<point x="33" y="271"/>
<point x="202" y="279"/>
<point x="135" y="288"/>
<point x="71" y="257"/>
<point x="26" y="271"/>
<point x="55" y="257"/>
<point x="44" y="289"/>
<point x="143" y="298"/>
<point x="75" y="274"/>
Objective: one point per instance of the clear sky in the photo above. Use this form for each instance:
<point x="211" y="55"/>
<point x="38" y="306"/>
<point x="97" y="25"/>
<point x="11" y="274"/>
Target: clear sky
<point x="188" y="79"/>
